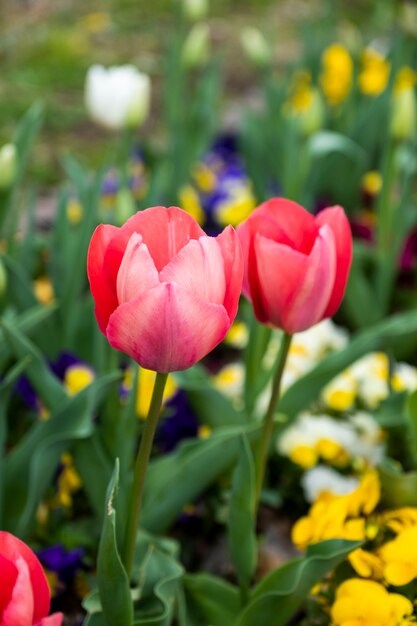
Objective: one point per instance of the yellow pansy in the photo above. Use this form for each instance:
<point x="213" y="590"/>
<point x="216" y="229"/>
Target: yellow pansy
<point x="304" y="104"/>
<point x="341" y="392"/>
<point x="304" y="456"/>
<point x="74" y="211"/>
<point x="367" y="603"/>
<point x="238" y="334"/>
<point x="69" y="482"/>
<point x="366" y="564"/>
<point x="338" y="517"/>
<point x="237" y="207"/>
<point x="189" y="201"/>
<point x="374" y="75"/>
<point x="336" y="76"/>
<point x="77" y="377"/>
<point x="204" y="177"/>
<point x="400" y="557"/>
<point x="400" y="519"/>
<point x="146" y="382"/>
<point x="44" y="290"/>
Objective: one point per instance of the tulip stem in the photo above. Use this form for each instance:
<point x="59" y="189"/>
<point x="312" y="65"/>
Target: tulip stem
<point x="141" y="466"/>
<point x="268" y="422"/>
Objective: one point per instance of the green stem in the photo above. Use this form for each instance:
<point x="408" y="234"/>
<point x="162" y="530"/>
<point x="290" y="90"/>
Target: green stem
<point x="141" y="466"/>
<point x="268" y="422"/>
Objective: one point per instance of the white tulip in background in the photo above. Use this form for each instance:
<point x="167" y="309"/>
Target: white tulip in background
<point x="196" y="48"/>
<point x="255" y="46"/>
<point x="117" y="97"/>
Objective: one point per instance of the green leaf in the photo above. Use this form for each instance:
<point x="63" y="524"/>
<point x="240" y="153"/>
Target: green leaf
<point x="398" y="488"/>
<point x="279" y="596"/>
<point x="210" y="600"/>
<point x="326" y="142"/>
<point x="113" y="582"/>
<point x="241" y="525"/>
<point x="178" y="478"/>
<point x="30" y="466"/>
<point x="46" y="384"/>
<point x="384" y="335"/>
<point x="211" y="406"/>
<point x="411" y="415"/>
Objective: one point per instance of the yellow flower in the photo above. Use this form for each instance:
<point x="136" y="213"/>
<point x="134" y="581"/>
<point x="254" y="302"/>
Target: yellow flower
<point x="405" y="79"/>
<point x="237" y="337"/>
<point x="237" y="207"/>
<point x="146" y="382"/>
<point x="367" y="603"/>
<point x="366" y="564"/>
<point x="341" y="392"/>
<point x="74" y="211"/>
<point x="304" y="104"/>
<point x="204" y="431"/>
<point x="69" y="482"/>
<point x="77" y="377"/>
<point x="304" y="456"/>
<point x="338" y="517"/>
<point x="374" y="75"/>
<point x="372" y="183"/>
<point x="230" y="379"/>
<point x="400" y="557"/>
<point x="190" y="202"/>
<point x="336" y="76"/>
<point x="44" y="290"/>
<point x="204" y="177"/>
<point x="400" y="519"/>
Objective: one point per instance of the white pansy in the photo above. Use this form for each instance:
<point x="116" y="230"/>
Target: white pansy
<point x="404" y="377"/>
<point x="322" y="479"/>
<point x="117" y="97"/>
<point x="369" y="445"/>
<point x="229" y="380"/>
<point x="372" y="373"/>
<point x="309" y="430"/>
<point x="340" y="393"/>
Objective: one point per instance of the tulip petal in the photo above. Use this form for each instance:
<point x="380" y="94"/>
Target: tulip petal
<point x="12" y="548"/>
<point x="52" y="620"/>
<point x="167" y="328"/>
<point x="8" y="575"/>
<point x="199" y="268"/>
<point x="295" y="288"/>
<point x="20" y="609"/>
<point x="298" y="224"/>
<point x="103" y="291"/>
<point x="233" y="262"/>
<point x="137" y="271"/>
<point x="336" y="219"/>
<point x="164" y="230"/>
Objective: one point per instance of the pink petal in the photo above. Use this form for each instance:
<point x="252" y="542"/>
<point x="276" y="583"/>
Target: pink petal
<point x="103" y="290"/>
<point x="8" y="576"/>
<point x="52" y="620"/>
<point x="312" y="298"/>
<point x="199" y="268"/>
<point x="137" y="271"/>
<point x="167" y="328"/>
<point x="336" y="219"/>
<point x="233" y="262"/>
<point x="20" y="609"/>
<point x="164" y="231"/>
<point x="12" y="548"/>
<point x="298" y="224"/>
<point x="294" y="288"/>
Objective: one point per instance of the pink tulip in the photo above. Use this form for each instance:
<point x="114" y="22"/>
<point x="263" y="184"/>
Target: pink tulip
<point x="296" y="265"/>
<point x="165" y="292"/>
<point x="24" y="591"/>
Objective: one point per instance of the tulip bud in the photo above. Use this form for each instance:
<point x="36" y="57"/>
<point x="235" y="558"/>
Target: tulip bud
<point x="117" y="97"/>
<point x="403" y="113"/>
<point x="8" y="163"/>
<point x="195" y="9"/>
<point x="255" y="46"/>
<point x="196" y="49"/>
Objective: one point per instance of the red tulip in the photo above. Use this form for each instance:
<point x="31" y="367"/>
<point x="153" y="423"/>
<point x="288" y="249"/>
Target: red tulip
<point x="296" y="265"/>
<point x="165" y="292"/>
<point x="24" y="591"/>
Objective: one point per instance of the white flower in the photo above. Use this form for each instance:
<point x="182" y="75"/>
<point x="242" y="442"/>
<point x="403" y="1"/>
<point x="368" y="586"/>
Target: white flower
<point x="372" y="373"/>
<point x="369" y="445"/>
<point x="321" y="479"/>
<point x="117" y="97"/>
<point x="340" y="393"/>
<point x="255" y="46"/>
<point x="230" y="380"/>
<point x="196" y="48"/>
<point x="404" y="377"/>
